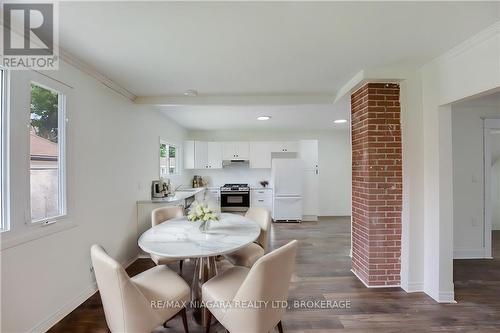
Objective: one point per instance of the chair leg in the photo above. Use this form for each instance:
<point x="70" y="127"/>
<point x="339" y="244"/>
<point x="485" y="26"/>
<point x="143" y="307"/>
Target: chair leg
<point x="180" y="265"/>
<point x="184" y="320"/>
<point x="209" y="321"/>
<point x="280" y="327"/>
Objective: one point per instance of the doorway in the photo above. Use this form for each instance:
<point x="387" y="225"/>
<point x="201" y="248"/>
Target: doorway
<point x="492" y="185"/>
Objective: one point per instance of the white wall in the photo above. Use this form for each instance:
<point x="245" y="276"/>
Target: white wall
<point x="112" y="157"/>
<point x="334" y="163"/>
<point x="412" y="247"/>
<point x="470" y="69"/>
<point x="468" y="179"/>
<point x="495" y="182"/>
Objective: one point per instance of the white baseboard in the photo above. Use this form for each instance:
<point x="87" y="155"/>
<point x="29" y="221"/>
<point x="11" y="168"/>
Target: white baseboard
<point x="309" y="218"/>
<point x="413" y="287"/>
<point x="447" y="297"/>
<point x="66" y="309"/>
<point x="367" y="286"/>
<point x="470" y="254"/>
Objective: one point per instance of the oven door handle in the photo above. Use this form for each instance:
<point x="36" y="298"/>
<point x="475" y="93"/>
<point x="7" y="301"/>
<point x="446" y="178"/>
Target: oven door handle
<point x="234" y="192"/>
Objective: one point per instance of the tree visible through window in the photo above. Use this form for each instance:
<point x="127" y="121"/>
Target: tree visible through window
<point x="168" y="159"/>
<point x="46" y="153"/>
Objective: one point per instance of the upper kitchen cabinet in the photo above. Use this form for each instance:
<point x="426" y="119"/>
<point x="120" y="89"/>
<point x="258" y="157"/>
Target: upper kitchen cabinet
<point x="260" y="155"/>
<point x="214" y="155"/>
<point x="188" y="154"/>
<point x="235" y="150"/>
<point x="285" y="147"/>
<point x="308" y="152"/>
<point x="202" y="155"/>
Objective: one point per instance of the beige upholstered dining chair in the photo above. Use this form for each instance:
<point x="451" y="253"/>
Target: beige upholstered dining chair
<point x="267" y="281"/>
<point x="160" y="215"/>
<point x="249" y="254"/>
<point x="135" y="304"/>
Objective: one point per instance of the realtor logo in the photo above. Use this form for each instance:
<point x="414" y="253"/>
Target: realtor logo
<point x="29" y="36"/>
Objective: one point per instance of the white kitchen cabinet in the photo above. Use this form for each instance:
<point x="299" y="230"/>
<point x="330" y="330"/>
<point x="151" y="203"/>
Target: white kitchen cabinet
<point x="188" y="154"/>
<point x="262" y="197"/>
<point x="214" y="155"/>
<point x="308" y="152"/>
<point x="202" y="155"/>
<point x="260" y="155"/>
<point x="285" y="147"/>
<point x="212" y="196"/>
<point x="237" y="150"/>
<point x="310" y="196"/>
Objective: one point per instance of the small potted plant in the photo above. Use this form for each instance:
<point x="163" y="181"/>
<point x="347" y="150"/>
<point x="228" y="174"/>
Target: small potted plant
<point x="264" y="183"/>
<point x="201" y="212"/>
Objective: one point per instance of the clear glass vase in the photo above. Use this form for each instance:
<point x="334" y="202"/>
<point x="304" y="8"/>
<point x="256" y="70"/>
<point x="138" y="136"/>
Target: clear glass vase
<point x="204" y="226"/>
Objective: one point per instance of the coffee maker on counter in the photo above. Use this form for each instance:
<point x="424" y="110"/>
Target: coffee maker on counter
<point x="161" y="188"/>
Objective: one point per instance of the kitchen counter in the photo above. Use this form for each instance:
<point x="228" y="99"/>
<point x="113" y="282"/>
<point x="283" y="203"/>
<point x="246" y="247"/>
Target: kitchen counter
<point x="180" y="195"/>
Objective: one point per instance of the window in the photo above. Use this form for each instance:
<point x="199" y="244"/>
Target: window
<point x="47" y="154"/>
<point x="4" y="224"/>
<point x="169" y="157"/>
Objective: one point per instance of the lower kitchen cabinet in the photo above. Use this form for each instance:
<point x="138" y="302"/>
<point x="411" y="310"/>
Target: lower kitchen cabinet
<point x="212" y="196"/>
<point x="262" y="197"/>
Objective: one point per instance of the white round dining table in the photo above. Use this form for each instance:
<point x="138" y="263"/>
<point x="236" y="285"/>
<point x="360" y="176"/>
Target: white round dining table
<point x="180" y="239"/>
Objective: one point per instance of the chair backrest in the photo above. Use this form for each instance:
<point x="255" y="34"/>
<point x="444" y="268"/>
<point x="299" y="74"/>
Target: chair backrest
<point x="162" y="214"/>
<point x="125" y="307"/>
<point x="268" y="280"/>
<point x="263" y="218"/>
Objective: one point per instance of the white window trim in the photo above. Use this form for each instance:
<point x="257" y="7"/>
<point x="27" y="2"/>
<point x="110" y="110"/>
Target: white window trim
<point x="62" y="143"/>
<point x="177" y="159"/>
<point x="5" y="158"/>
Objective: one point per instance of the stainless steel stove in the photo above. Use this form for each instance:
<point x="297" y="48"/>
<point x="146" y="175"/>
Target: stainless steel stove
<point x="235" y="187"/>
<point x="235" y="197"/>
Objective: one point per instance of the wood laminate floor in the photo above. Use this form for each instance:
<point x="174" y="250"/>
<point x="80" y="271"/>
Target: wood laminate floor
<point x="323" y="273"/>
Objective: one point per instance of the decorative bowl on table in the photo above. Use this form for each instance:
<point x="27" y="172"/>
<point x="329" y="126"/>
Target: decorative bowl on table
<point x="201" y="212"/>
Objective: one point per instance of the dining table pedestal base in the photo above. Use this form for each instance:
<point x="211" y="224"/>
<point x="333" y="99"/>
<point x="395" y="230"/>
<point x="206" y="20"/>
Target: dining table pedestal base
<point x="205" y="269"/>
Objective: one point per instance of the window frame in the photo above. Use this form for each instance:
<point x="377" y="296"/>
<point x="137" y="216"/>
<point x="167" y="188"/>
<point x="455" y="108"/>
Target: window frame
<point x="5" y="151"/>
<point x="177" y="159"/>
<point x="62" y="158"/>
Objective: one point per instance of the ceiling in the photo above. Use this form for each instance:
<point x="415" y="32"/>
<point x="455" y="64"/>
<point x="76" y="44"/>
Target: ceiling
<point x="231" y="48"/>
<point x="239" y="49"/>
<point x="291" y="117"/>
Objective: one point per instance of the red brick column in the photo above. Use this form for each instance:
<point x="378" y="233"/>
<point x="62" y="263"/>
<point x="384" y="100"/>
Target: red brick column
<point x="376" y="184"/>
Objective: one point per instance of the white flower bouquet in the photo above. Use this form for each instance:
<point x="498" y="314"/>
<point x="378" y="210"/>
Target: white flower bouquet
<point x="203" y="213"/>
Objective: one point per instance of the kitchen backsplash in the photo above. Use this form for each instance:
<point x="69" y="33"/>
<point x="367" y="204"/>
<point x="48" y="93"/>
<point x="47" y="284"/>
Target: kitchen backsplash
<point x="232" y="174"/>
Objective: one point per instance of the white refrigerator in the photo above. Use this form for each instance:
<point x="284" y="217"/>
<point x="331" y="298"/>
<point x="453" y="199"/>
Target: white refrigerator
<point x="287" y="178"/>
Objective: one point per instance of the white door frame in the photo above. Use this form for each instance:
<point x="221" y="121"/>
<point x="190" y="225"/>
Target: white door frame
<point x="489" y="126"/>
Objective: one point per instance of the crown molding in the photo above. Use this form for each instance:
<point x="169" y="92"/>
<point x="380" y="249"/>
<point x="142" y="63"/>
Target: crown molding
<point x="491" y="31"/>
<point x="94" y="73"/>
